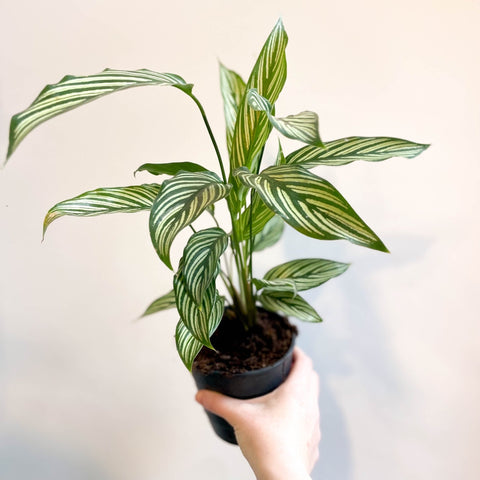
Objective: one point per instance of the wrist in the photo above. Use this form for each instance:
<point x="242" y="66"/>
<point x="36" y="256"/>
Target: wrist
<point x="283" y="472"/>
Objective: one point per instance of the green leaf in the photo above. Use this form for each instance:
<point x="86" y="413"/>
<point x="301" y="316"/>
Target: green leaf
<point x="233" y="90"/>
<point x="201" y="320"/>
<point x="260" y="216"/>
<point x="277" y="285"/>
<point x="268" y="77"/>
<point x="164" y="302"/>
<point x="202" y="260"/>
<point x="105" y="200"/>
<point x="310" y="204"/>
<point x="270" y="235"/>
<point x="284" y="302"/>
<point x="306" y="273"/>
<point x="280" y="156"/>
<point x="170" y="168"/>
<point x="182" y="199"/>
<point x="350" y="149"/>
<point x="71" y="92"/>
<point x="303" y="126"/>
<point x="188" y="346"/>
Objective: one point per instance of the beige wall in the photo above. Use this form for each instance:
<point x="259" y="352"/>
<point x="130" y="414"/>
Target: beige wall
<point x="87" y="393"/>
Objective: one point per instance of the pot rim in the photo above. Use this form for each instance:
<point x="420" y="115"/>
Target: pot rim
<point x="220" y="373"/>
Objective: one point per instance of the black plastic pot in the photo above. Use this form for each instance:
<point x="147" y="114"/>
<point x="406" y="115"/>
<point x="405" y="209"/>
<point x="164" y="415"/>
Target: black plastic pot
<point x="243" y="385"/>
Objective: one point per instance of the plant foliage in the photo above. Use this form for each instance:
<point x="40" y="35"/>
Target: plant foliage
<point x="259" y="200"/>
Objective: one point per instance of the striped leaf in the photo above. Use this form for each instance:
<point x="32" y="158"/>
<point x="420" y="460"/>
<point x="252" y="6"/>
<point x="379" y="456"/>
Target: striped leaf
<point x="182" y="199"/>
<point x="170" y="168"/>
<point x="270" y="235"/>
<point x="201" y="320"/>
<point x="188" y="346"/>
<point x="350" y="149"/>
<point x="202" y="260"/>
<point x="71" y="92"/>
<point x="268" y="77"/>
<point x="284" y="285"/>
<point x="105" y="200"/>
<point x="284" y="302"/>
<point x="233" y="90"/>
<point x="259" y="217"/>
<point x="306" y="273"/>
<point x="303" y="126"/>
<point x="280" y="156"/>
<point x="310" y="204"/>
<point x="165" y="302"/>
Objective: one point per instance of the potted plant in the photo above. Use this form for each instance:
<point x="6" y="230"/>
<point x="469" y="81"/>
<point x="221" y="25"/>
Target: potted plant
<point x="239" y="329"/>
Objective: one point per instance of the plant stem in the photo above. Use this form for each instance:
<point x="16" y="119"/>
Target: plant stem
<point x="251" y="245"/>
<point x="210" y="133"/>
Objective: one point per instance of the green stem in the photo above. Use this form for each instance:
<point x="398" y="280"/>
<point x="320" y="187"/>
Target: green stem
<point x="210" y="133"/>
<point x="251" y="244"/>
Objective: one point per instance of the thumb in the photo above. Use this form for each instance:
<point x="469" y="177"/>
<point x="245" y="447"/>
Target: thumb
<point x="219" y="404"/>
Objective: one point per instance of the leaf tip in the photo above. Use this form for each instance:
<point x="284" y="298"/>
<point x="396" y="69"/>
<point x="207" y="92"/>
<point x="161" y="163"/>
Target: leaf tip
<point x="424" y="146"/>
<point x="381" y="247"/>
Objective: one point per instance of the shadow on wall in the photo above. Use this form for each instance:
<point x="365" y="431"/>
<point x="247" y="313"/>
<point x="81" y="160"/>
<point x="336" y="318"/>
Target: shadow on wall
<point x="26" y="458"/>
<point x="362" y="348"/>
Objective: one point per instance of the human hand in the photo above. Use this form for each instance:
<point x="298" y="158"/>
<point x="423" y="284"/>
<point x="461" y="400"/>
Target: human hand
<point x="278" y="433"/>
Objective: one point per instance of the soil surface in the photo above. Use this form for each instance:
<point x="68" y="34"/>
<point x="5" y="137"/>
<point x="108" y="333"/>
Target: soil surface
<point x="239" y="351"/>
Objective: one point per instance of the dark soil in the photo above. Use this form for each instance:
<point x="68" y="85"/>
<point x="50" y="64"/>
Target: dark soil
<point x="239" y="351"/>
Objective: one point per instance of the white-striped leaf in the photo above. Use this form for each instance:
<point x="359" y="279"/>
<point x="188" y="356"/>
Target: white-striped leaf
<point x="270" y="235"/>
<point x="284" y="285"/>
<point x="202" y="320"/>
<point x="284" y="302"/>
<point x="259" y="217"/>
<point x="303" y="126"/>
<point x="310" y="204"/>
<point x="105" y="200"/>
<point x="171" y="168"/>
<point x="71" y="92"/>
<point x="306" y="273"/>
<point x="268" y="77"/>
<point x="182" y="199"/>
<point x="350" y="149"/>
<point x="233" y="90"/>
<point x="188" y="346"/>
<point x="280" y="156"/>
<point x="165" y="302"/>
<point x="202" y="260"/>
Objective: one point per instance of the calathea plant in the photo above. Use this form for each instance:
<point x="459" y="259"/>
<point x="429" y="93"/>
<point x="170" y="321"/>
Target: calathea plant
<point x="260" y="200"/>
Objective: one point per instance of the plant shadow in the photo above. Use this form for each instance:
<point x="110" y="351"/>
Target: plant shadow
<point x="359" y="347"/>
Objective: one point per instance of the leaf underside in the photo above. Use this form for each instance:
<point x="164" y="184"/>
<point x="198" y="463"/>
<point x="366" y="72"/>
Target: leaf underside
<point x="171" y="168"/>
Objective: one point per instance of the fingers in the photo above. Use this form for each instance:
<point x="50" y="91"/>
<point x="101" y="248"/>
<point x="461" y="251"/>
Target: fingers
<point x="302" y="373"/>
<point x="219" y="404"/>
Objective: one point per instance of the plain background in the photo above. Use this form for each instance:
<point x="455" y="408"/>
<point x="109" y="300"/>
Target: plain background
<point x="86" y="392"/>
